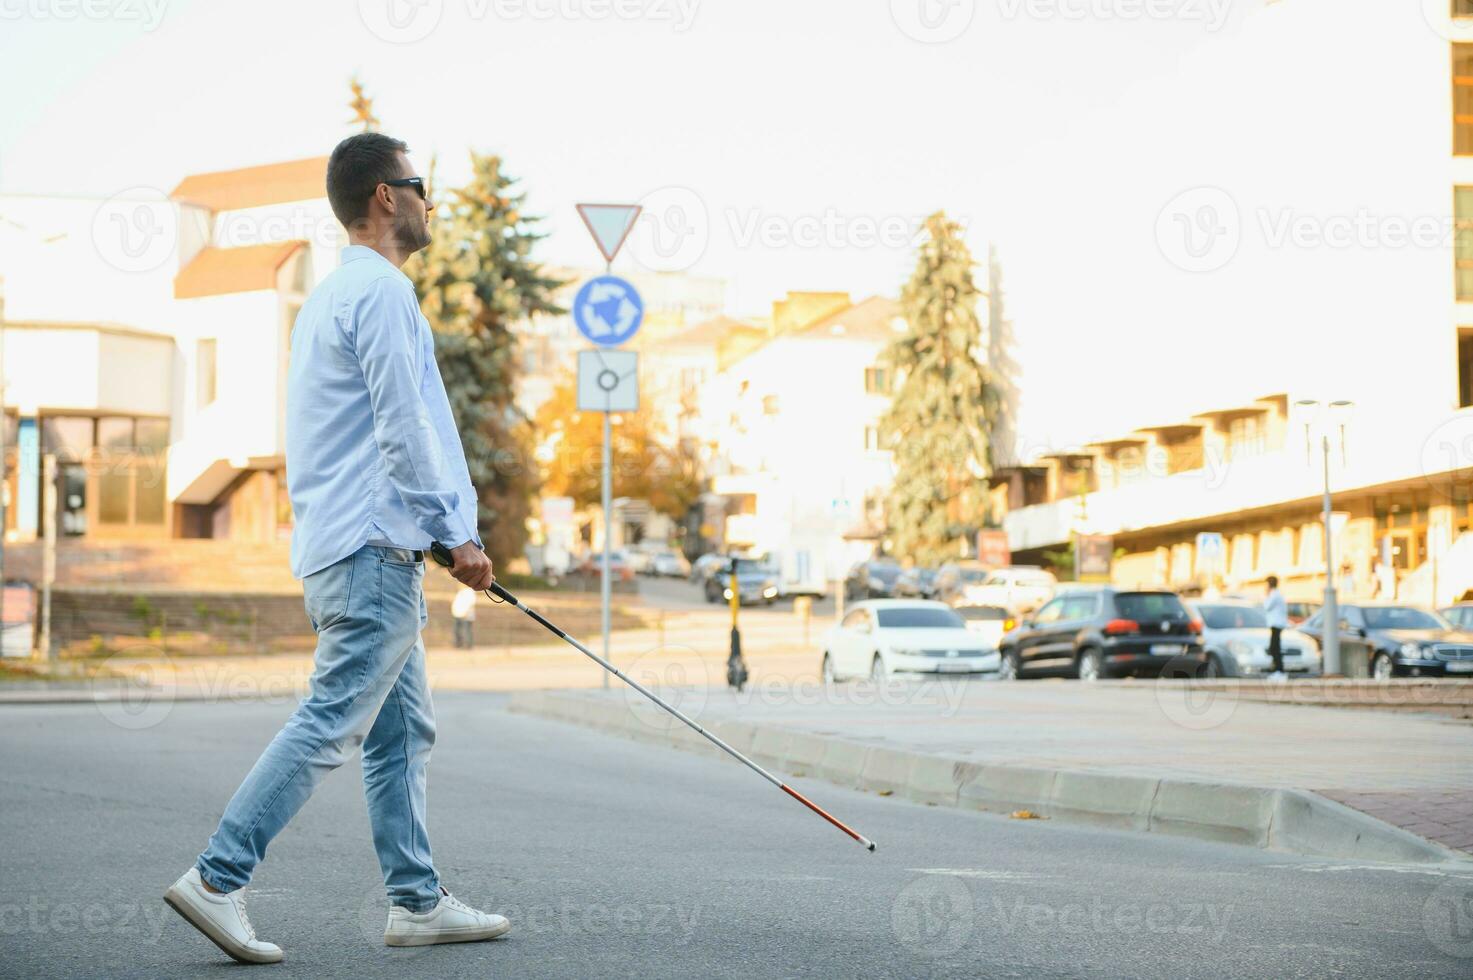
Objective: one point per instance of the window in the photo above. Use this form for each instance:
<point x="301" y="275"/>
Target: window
<point x="871" y="437"/>
<point x="920" y="617"/>
<point x="1233" y="617"/>
<point x="1465" y="368"/>
<point x="1050" y="612"/>
<point x="1463" y="8"/>
<point x="1463" y="242"/>
<point x="1077" y="607"/>
<point x="112" y="470"/>
<point x="769" y="404"/>
<point x="1463" y="99"/>
<point x="876" y="381"/>
<point x="302" y="274"/>
<point x="1246" y="436"/>
<point x="204" y="363"/>
<point x="1149" y="605"/>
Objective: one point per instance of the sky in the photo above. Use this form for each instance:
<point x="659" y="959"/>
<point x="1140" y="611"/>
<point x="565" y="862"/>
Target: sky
<point x="797" y="144"/>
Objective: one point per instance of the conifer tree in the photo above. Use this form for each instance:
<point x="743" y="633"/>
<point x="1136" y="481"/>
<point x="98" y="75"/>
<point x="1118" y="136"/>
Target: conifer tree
<point x="939" y="423"/>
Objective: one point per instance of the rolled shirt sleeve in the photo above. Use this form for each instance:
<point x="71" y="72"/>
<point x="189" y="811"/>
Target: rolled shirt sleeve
<point x="386" y="325"/>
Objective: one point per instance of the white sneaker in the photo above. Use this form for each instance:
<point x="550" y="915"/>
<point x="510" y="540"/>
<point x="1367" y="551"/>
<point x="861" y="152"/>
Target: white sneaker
<point x="1277" y="675"/>
<point x="221" y="917"/>
<point x="451" y="921"/>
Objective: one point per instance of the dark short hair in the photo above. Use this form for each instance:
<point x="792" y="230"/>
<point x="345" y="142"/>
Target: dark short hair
<point x="357" y="166"/>
<point x="1273" y="581"/>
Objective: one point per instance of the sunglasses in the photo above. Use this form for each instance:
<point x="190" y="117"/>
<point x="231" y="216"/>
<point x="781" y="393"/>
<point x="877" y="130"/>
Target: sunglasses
<point x="418" y="183"/>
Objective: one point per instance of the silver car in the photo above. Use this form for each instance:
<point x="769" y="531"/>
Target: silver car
<point x="1235" y="637"/>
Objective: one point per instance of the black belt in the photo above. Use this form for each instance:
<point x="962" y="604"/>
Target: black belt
<point x="404" y="554"/>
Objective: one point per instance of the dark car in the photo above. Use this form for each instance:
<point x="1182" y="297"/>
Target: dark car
<point x="756" y="580"/>
<point x="1398" y="640"/>
<point x="1104" y="632"/>
<point x="916" y="583"/>
<point x="873" y="579"/>
<point x="1460" y="615"/>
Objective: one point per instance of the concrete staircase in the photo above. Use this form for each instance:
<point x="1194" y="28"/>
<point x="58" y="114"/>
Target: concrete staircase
<point x="191" y="564"/>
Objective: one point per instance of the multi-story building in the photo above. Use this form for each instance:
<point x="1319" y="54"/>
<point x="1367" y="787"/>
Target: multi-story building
<point x="145" y="347"/>
<point x="1254" y="471"/>
<point x="792" y="418"/>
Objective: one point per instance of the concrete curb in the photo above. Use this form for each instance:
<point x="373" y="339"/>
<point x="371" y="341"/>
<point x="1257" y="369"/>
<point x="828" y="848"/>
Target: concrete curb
<point x="1289" y="820"/>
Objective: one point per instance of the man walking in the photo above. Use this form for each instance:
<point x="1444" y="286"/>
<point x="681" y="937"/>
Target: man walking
<point x="376" y="474"/>
<point x="1276" y="612"/>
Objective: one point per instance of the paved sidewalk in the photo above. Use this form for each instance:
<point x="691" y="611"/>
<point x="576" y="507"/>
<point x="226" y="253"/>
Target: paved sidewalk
<point x="1412" y="771"/>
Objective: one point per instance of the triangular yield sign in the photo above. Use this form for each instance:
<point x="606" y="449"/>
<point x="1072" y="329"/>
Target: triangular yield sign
<point x="609" y="224"/>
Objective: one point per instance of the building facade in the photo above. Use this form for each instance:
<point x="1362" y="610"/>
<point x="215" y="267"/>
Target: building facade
<point x="145" y="342"/>
<point x="793" y="411"/>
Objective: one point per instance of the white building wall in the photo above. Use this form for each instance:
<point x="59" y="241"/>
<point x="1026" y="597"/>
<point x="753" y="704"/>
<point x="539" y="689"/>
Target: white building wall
<point x="807" y="465"/>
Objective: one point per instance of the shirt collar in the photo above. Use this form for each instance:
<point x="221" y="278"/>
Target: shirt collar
<point x="352" y="253"/>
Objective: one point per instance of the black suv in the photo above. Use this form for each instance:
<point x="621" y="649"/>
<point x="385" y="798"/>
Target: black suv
<point x="1104" y="632"/>
<point x="1398" y="640"/>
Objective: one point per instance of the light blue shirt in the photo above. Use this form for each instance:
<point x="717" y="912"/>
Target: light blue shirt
<point x="372" y="453"/>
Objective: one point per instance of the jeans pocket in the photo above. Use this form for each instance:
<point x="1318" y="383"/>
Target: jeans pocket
<point x="326" y="593"/>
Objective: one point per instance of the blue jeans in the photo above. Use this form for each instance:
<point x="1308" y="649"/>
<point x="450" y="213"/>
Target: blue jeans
<point x="368" y="687"/>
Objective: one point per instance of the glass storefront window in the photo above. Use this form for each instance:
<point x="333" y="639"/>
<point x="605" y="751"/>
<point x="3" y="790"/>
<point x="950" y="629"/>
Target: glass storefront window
<point x="115" y="435"/>
<point x="112" y="470"/>
<point x="70" y="439"/>
<point x="150" y="499"/>
<point x="114" y="487"/>
<point x="153" y="434"/>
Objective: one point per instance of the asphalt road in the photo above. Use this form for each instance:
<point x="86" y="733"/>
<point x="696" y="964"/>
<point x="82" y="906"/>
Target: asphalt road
<point x="614" y="858"/>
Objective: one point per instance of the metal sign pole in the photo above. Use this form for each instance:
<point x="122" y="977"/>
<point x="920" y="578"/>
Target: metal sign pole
<point x="608" y="519"/>
<point x="48" y="551"/>
<point x="608" y="529"/>
<point x="609" y="224"/>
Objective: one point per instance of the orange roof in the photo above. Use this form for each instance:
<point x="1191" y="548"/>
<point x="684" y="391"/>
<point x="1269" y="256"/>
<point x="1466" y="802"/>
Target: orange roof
<point x="250" y="187"/>
<point x="215" y="271"/>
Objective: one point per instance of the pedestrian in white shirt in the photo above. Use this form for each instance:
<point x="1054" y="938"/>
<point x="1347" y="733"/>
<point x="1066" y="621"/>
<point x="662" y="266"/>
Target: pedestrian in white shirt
<point x="1276" y="612"/>
<point x="463" y="611"/>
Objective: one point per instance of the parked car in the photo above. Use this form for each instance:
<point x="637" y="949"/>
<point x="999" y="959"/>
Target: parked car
<point x="988" y="622"/>
<point x="954" y="578"/>
<point x="1235" y="637"/>
<point x="873" y="579"/>
<point x="1460" y="614"/>
<point x="669" y="564"/>
<point x="1298" y="612"/>
<point x="1091" y="633"/>
<point x="619" y="567"/>
<point x="700" y="569"/>
<point x="1020" y="587"/>
<point x="1399" y="640"/>
<point x="887" y="638"/>
<point x="756" y="581"/>
<point x="641" y="559"/>
<point x="916" y="583"/>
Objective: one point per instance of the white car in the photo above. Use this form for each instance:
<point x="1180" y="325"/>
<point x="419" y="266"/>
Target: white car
<point x="1020" y="587"/>
<point x="1235" y="636"/>
<point x="669" y="564"/>
<point x="888" y="638"/>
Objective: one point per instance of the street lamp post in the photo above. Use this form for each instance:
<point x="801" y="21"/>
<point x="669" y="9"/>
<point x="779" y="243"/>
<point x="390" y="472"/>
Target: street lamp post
<point x="1338" y="412"/>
